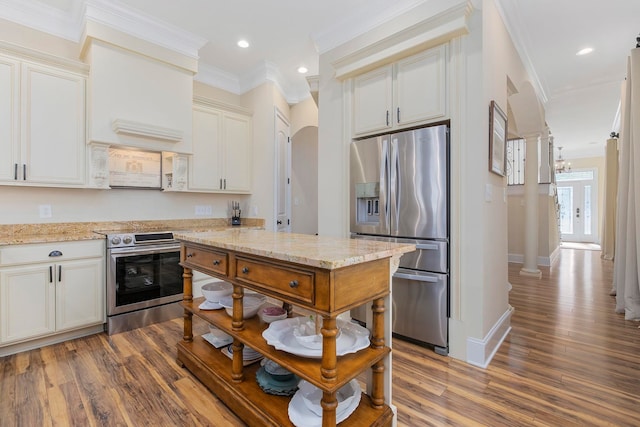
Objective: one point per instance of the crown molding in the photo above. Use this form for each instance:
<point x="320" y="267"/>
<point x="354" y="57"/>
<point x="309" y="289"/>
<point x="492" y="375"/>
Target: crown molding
<point x="126" y="20"/>
<point x="350" y="27"/>
<point x="30" y="54"/>
<point x="513" y="23"/>
<point x="42" y="17"/>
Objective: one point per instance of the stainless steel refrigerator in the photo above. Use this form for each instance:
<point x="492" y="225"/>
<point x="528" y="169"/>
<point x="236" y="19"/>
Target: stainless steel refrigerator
<point x="400" y="192"/>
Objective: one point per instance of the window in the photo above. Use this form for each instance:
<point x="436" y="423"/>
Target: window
<point x="515" y="161"/>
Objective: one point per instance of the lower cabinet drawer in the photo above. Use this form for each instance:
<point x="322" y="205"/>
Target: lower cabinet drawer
<point x="295" y="283"/>
<point x="209" y="260"/>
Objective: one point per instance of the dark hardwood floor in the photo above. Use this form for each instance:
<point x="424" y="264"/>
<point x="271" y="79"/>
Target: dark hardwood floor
<point x="569" y="360"/>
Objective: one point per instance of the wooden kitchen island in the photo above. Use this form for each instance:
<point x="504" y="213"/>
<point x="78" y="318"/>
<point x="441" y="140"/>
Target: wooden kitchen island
<point x="325" y="275"/>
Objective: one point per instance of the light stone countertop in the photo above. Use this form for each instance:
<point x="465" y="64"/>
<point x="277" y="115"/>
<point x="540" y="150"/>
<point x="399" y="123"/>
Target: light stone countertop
<point x="315" y="251"/>
<point x="16" y="234"/>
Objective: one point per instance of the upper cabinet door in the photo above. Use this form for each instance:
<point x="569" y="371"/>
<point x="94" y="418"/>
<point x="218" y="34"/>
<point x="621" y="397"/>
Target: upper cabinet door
<point x="204" y="165"/>
<point x="372" y="101"/>
<point x="53" y="125"/>
<point x="9" y="118"/>
<point x="407" y="93"/>
<point x="420" y="91"/>
<point x="237" y="135"/>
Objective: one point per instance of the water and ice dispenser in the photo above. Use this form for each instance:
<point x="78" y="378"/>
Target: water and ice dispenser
<point x="368" y="203"/>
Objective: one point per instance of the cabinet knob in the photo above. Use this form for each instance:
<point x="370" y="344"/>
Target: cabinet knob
<point x="245" y="270"/>
<point x="216" y="262"/>
<point x="293" y="284"/>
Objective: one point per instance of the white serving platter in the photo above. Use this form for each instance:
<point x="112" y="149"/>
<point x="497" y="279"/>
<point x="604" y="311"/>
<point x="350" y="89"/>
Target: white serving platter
<point x="279" y="334"/>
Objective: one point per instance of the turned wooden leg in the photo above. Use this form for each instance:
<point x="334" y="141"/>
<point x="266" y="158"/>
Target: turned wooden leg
<point x="187" y="297"/>
<point x="237" y="373"/>
<point x="237" y="322"/>
<point x="377" y="385"/>
<point x="377" y="332"/>
<point x="329" y="404"/>
<point x="329" y="360"/>
<point x="377" y="341"/>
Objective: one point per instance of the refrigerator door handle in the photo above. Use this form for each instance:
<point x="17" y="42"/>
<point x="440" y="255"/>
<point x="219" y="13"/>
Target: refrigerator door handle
<point x="384" y="171"/>
<point x="416" y="277"/>
<point x="427" y="246"/>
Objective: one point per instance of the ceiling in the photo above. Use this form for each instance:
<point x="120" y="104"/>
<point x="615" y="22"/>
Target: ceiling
<point x="580" y="94"/>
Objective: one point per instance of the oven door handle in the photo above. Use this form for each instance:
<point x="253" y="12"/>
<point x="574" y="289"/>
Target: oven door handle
<point x="147" y="250"/>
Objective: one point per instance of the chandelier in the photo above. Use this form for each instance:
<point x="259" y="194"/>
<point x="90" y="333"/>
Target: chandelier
<point x="561" y="166"/>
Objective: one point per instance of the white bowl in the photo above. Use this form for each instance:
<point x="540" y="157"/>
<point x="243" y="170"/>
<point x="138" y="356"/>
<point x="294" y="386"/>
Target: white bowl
<point x="251" y="303"/>
<point x="272" y="313"/>
<point x="215" y="290"/>
<point x="311" y="396"/>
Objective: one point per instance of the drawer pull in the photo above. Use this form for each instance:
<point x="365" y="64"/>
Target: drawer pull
<point x="191" y="255"/>
<point x="55" y="253"/>
<point x="216" y="262"/>
<point x="245" y="270"/>
<point x="293" y="284"/>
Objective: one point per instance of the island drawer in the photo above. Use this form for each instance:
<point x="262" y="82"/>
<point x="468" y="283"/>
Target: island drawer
<point x="298" y="284"/>
<point x="212" y="261"/>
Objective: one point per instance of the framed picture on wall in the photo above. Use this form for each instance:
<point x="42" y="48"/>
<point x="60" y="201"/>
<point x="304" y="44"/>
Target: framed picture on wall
<point x="497" y="140"/>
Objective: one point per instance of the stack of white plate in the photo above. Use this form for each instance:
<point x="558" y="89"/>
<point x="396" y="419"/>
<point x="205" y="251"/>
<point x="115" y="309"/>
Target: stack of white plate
<point x="305" y="409"/>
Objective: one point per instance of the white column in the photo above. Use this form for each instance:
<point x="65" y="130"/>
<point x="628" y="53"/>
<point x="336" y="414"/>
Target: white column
<point x="545" y="156"/>
<point x="530" y="266"/>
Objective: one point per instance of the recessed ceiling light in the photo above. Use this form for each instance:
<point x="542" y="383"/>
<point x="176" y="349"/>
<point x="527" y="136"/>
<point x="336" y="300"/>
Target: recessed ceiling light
<point x="584" y="51"/>
<point x="302" y="70"/>
<point x="243" y="43"/>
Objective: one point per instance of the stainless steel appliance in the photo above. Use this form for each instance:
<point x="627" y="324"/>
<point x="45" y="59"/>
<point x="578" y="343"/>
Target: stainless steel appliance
<point x="144" y="280"/>
<point x="400" y="192"/>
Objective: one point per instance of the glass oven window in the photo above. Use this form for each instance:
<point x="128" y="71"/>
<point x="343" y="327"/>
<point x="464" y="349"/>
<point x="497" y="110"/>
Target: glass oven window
<point x="147" y="277"/>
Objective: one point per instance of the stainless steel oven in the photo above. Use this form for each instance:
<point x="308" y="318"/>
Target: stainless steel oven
<point x="144" y="280"/>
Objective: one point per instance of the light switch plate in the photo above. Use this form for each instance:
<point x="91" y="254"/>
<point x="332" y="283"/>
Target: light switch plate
<point x="488" y="192"/>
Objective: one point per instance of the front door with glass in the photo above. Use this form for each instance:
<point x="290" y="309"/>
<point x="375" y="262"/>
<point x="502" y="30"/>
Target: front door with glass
<point x="577" y="196"/>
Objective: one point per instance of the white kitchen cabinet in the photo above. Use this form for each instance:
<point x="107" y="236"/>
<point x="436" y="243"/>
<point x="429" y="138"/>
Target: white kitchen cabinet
<point x="222" y="139"/>
<point x="44" y="292"/>
<point x="407" y="93"/>
<point x="42" y="141"/>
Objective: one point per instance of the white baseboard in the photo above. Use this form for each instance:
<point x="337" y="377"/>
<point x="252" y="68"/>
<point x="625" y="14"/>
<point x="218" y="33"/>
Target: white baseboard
<point x="544" y="261"/>
<point x="480" y="352"/>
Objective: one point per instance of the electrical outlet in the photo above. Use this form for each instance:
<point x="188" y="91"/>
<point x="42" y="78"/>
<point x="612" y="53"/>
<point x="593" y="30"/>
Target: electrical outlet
<point x="203" y="210"/>
<point x="45" y="211"/>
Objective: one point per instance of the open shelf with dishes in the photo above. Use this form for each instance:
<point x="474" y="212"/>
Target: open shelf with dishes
<point x="312" y="288"/>
<point x="348" y="367"/>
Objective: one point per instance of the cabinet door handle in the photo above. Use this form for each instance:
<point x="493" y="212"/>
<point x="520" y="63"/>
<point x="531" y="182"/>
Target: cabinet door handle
<point x="387" y="117"/>
<point x="225" y="183"/>
<point x="293" y="284"/>
<point x="398" y="114"/>
<point x="245" y="270"/>
<point x="221" y="183"/>
<point x="50" y="274"/>
<point x="59" y="273"/>
<point x="24" y="171"/>
<point x="15" y="171"/>
<point x="216" y="262"/>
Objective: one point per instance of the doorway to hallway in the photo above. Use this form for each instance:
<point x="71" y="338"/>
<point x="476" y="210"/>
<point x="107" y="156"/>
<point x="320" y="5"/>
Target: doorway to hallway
<point x="577" y="197"/>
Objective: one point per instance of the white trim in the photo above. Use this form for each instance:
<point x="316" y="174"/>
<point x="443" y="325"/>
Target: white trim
<point x="128" y="21"/>
<point x="480" y="352"/>
<point x="24" y="53"/>
<point x="128" y="127"/>
<point x="544" y="261"/>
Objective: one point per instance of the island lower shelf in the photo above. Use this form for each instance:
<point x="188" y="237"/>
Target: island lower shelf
<point x="247" y="399"/>
<point x="348" y="366"/>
